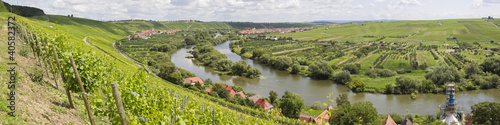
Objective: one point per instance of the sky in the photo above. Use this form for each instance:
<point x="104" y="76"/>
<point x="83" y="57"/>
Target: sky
<point x="267" y="10"/>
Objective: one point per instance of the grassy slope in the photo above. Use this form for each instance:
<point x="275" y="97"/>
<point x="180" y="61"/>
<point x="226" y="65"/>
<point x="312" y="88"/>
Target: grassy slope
<point x="463" y="29"/>
<point x="102" y="34"/>
<point x="76" y="30"/>
<point x="429" y="32"/>
<point x="173" y="25"/>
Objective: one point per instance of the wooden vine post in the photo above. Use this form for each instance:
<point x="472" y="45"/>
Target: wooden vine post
<point x="62" y="77"/>
<point x="49" y="60"/>
<point x="82" y="90"/>
<point x="41" y="54"/>
<point x="119" y="104"/>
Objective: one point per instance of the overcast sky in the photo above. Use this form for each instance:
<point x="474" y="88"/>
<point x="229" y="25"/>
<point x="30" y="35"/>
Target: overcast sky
<point x="268" y="10"/>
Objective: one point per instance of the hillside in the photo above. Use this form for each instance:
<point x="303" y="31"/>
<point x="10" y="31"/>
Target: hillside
<point x="21" y="10"/>
<point x="173" y="25"/>
<point x="379" y="49"/>
<point x="99" y="65"/>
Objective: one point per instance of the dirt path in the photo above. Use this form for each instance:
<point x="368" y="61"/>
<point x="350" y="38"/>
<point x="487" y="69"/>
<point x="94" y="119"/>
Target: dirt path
<point x="332" y="38"/>
<point x="369" y="54"/>
<point x="345" y="60"/>
<point x="494" y="24"/>
<point x="85" y="40"/>
<point x="291" y="50"/>
<point x="124" y="55"/>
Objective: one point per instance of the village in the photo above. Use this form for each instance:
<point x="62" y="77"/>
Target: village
<point x="145" y="34"/>
<point x="281" y="30"/>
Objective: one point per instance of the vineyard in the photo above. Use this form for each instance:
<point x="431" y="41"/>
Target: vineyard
<point x="410" y="50"/>
<point x="90" y="73"/>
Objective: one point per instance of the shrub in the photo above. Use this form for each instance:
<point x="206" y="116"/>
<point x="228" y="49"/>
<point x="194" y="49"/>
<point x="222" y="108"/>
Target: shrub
<point x="342" y="77"/>
<point x="23" y="52"/>
<point x="356" y="85"/>
<point x="37" y="75"/>
<point x="400" y="71"/>
<point x="352" y="68"/>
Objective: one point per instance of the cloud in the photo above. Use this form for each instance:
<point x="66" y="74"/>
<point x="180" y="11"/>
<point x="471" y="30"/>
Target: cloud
<point x="372" y="5"/>
<point x="409" y="2"/>
<point x="480" y="3"/>
<point x="379" y="1"/>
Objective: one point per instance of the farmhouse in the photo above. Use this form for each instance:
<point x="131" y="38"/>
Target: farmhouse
<point x="193" y="80"/>
<point x="230" y="89"/>
<point x="264" y="104"/>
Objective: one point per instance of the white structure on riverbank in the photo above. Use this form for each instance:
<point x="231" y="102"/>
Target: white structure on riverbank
<point x="449" y="113"/>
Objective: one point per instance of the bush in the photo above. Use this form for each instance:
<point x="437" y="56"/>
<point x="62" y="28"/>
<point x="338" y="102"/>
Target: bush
<point x="400" y="71"/>
<point x="386" y="73"/>
<point x="23" y="52"/>
<point x="342" y="77"/>
<point x="37" y="76"/>
<point x="352" y="68"/>
<point x="317" y="105"/>
<point x="356" y="85"/>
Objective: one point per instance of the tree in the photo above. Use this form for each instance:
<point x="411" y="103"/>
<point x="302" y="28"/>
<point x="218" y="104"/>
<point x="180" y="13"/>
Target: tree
<point x="221" y="91"/>
<point x="356" y="85"/>
<point x="342" y="77"/>
<point x="342" y="100"/>
<point x="175" y="78"/>
<point x="281" y="62"/>
<point x="317" y="105"/>
<point x="258" y="53"/>
<point x="224" y="65"/>
<point x="407" y="85"/>
<point x="486" y="113"/>
<point x="253" y="73"/>
<point x="491" y="65"/>
<point x="273" y="96"/>
<point x="320" y="70"/>
<point x="442" y="74"/>
<point x="352" y="68"/>
<point x="239" y="68"/>
<point x="291" y="105"/>
<point x="295" y="69"/>
<point x="190" y="41"/>
<point x="428" y="86"/>
<point x="357" y="113"/>
<point x="472" y="69"/>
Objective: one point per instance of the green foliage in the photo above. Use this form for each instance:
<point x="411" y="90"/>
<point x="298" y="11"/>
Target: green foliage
<point x="273" y="96"/>
<point x="491" y="65"/>
<point x="239" y="67"/>
<point x="414" y="94"/>
<point x="291" y="105"/>
<point x="23" y="52"/>
<point x="400" y="71"/>
<point x="406" y="85"/>
<point x="357" y="113"/>
<point x="428" y="87"/>
<point x="320" y="70"/>
<point x="472" y="69"/>
<point x="356" y="85"/>
<point x="486" y="113"/>
<point x="221" y="91"/>
<point x="442" y="74"/>
<point x="22" y="10"/>
<point x="176" y="78"/>
<point x="342" y="100"/>
<point x="374" y="73"/>
<point x="352" y="68"/>
<point x="317" y="105"/>
<point x="37" y="75"/>
<point x="295" y="69"/>
<point x="342" y="77"/>
<point x="258" y="53"/>
<point x="281" y="62"/>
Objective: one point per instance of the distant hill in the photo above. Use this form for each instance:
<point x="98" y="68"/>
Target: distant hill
<point x="250" y="25"/>
<point x="195" y="25"/>
<point x="21" y="10"/>
<point x="345" y="21"/>
<point x="172" y="25"/>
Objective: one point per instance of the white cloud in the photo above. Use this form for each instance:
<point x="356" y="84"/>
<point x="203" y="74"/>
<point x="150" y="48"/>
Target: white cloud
<point x="372" y="5"/>
<point x="409" y="2"/>
<point x="379" y="1"/>
<point x="480" y="3"/>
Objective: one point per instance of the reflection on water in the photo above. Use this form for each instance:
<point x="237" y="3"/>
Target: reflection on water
<point x="317" y="90"/>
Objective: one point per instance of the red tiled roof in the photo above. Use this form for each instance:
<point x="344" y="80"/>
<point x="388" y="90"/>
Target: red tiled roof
<point x="193" y="80"/>
<point x="324" y="116"/>
<point x="232" y="92"/>
<point x="241" y="94"/>
<point x="388" y="121"/>
<point x="264" y="104"/>
<point x="208" y="90"/>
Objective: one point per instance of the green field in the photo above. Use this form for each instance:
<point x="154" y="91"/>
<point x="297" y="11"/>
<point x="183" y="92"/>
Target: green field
<point x="173" y="25"/>
<point x="392" y="45"/>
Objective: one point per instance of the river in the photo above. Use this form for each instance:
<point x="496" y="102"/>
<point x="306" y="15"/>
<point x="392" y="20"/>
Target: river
<point x="316" y="90"/>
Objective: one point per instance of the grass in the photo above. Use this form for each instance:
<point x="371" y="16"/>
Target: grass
<point x="311" y="112"/>
<point x="102" y="34"/>
<point x="379" y="83"/>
